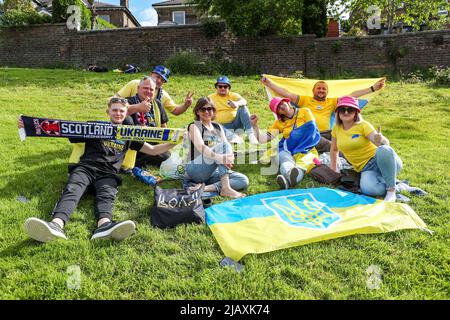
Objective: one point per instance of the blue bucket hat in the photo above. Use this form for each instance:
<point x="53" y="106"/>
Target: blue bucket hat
<point x="223" y="79"/>
<point x="162" y="71"/>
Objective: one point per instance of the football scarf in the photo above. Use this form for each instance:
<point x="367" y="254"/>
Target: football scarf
<point x="43" y="127"/>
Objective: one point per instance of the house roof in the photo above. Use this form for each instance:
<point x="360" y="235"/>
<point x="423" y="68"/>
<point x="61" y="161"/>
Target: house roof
<point x="108" y="6"/>
<point x="104" y="4"/>
<point x="172" y="3"/>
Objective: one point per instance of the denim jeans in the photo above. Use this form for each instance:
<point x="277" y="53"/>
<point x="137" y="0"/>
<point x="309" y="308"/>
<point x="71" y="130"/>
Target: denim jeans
<point x="379" y="174"/>
<point x="242" y="121"/>
<point x="208" y="171"/>
<point x="287" y="162"/>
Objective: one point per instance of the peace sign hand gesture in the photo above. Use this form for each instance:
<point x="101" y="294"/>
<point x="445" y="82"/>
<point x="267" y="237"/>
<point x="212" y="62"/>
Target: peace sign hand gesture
<point x="188" y="99"/>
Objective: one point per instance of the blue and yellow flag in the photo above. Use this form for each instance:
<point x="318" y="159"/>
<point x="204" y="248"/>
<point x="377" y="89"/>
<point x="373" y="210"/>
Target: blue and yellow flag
<point x="287" y="218"/>
<point x="336" y="88"/>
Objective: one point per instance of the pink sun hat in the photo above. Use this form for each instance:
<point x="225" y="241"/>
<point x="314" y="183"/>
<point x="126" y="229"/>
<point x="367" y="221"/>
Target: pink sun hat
<point x="275" y="102"/>
<point x="348" y="101"/>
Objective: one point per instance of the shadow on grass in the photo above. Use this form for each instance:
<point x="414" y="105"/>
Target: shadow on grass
<point x="42" y="158"/>
<point x="15" y="249"/>
<point x="48" y="78"/>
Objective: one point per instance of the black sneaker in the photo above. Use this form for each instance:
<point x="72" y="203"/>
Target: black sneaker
<point x="282" y="182"/>
<point x="293" y="175"/>
<point x="43" y="231"/>
<point x="115" y="230"/>
<point x="207" y="202"/>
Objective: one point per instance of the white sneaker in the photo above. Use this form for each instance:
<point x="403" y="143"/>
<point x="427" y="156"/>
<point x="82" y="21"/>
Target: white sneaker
<point x="114" y="230"/>
<point x="252" y="139"/>
<point x="43" y="231"/>
<point x="282" y="182"/>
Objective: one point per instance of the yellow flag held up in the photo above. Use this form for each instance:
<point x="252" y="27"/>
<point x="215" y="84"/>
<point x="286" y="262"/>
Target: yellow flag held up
<point x="336" y="88"/>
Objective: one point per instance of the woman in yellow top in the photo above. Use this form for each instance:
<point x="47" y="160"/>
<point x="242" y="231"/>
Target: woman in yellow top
<point x="296" y="150"/>
<point x="367" y="150"/>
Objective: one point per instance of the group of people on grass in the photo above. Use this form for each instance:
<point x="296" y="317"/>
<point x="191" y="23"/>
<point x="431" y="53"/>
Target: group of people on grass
<point x="303" y="123"/>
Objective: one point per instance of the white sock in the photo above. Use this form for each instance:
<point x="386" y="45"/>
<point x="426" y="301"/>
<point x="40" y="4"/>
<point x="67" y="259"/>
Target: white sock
<point x="390" y="196"/>
<point x="403" y="187"/>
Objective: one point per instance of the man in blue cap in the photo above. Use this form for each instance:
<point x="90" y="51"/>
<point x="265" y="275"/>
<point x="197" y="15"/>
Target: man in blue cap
<point x="161" y="75"/>
<point x="231" y="110"/>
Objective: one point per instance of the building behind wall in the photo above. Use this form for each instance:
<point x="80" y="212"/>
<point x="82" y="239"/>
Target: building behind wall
<point x="176" y="12"/>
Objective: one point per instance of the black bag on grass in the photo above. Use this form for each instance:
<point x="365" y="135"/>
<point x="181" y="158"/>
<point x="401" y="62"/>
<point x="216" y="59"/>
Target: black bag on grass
<point x="324" y="174"/>
<point x="350" y="180"/>
<point x="172" y="207"/>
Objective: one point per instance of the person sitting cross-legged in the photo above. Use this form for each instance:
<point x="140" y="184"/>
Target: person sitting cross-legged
<point x="232" y="112"/>
<point x="211" y="156"/>
<point x="368" y="151"/>
<point x="300" y="135"/>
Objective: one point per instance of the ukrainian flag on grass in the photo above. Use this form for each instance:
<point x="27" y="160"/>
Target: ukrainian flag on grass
<point x="287" y="218"/>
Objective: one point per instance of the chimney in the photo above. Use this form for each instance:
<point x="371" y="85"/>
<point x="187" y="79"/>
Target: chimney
<point x="124" y="3"/>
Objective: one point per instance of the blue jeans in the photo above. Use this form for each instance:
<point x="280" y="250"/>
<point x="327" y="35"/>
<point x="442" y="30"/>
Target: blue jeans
<point x="287" y="162"/>
<point x="242" y="121"/>
<point x="379" y="174"/>
<point x="201" y="170"/>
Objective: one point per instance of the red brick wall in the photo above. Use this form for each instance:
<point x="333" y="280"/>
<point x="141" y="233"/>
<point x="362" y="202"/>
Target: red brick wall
<point x="55" y="45"/>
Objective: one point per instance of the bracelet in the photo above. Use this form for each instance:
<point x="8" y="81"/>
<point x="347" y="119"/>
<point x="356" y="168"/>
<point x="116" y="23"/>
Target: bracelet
<point x="372" y="88"/>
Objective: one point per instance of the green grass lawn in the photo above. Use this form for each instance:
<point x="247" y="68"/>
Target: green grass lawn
<point x="182" y="263"/>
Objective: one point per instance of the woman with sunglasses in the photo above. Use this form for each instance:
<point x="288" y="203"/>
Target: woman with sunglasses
<point x="367" y="150"/>
<point x="296" y="150"/>
<point x="211" y="156"/>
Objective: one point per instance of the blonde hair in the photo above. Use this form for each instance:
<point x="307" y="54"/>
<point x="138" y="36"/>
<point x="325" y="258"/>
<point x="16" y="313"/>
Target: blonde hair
<point x="114" y="100"/>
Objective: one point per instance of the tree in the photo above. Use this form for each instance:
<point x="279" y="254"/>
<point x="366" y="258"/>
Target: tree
<point x="59" y="12"/>
<point x="414" y="13"/>
<point x="23" y="5"/>
<point x="20" y="13"/>
<point x="256" y="17"/>
<point x="315" y="17"/>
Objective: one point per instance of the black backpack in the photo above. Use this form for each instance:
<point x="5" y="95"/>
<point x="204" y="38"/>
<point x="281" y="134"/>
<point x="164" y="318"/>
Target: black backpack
<point x="172" y="207"/>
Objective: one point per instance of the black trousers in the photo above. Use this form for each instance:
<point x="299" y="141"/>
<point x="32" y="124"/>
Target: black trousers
<point x="80" y="178"/>
<point x="324" y="144"/>
<point x="143" y="159"/>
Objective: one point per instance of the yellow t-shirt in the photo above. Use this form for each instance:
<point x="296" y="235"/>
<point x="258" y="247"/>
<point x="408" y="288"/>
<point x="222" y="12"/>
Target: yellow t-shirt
<point x="301" y="116"/>
<point x="322" y="110"/>
<point x="224" y="113"/>
<point x="353" y="143"/>
<point x="131" y="89"/>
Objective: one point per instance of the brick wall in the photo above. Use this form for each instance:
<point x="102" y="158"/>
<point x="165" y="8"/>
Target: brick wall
<point x="56" y="46"/>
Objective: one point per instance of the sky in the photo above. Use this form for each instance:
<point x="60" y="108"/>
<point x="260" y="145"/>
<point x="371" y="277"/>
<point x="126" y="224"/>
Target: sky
<point x="141" y="9"/>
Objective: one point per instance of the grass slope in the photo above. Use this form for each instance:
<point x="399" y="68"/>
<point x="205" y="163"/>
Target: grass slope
<point x="183" y="263"/>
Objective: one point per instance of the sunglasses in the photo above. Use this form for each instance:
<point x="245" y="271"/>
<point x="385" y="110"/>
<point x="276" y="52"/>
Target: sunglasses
<point x="346" y="109"/>
<point x="118" y="100"/>
<point x="209" y="109"/>
<point x="220" y="86"/>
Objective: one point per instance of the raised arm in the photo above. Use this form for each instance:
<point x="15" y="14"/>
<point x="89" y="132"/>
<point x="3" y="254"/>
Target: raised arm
<point x="262" y="138"/>
<point x="279" y="90"/>
<point x="377" y="138"/>
<point x="181" y="108"/>
<point x="143" y="106"/>
<point x="377" y="86"/>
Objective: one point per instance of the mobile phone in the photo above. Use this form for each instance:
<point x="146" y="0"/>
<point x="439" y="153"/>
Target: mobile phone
<point x="228" y="262"/>
<point x="229" y="103"/>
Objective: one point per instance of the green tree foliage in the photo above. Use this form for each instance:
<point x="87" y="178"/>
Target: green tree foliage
<point x="20" y="13"/>
<point x="256" y="17"/>
<point x="59" y="13"/>
<point x="315" y="17"/>
<point x="414" y="13"/>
